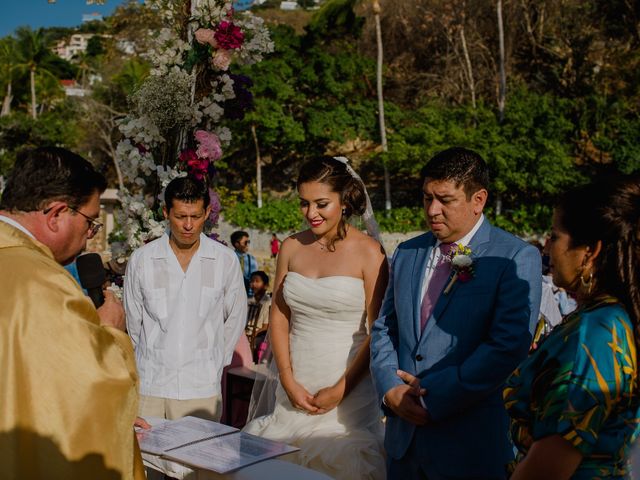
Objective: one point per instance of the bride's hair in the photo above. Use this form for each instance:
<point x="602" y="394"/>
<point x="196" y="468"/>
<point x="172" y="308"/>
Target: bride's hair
<point x="334" y="173"/>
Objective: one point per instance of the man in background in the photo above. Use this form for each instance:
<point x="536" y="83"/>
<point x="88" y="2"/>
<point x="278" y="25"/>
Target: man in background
<point x="68" y="388"/>
<point x="248" y="263"/>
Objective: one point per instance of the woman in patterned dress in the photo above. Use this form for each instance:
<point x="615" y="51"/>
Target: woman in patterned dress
<point x="574" y="402"/>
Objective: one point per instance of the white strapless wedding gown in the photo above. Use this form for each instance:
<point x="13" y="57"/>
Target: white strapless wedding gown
<point x="328" y="326"/>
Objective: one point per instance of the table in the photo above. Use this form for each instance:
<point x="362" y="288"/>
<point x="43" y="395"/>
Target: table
<point x="266" y="470"/>
<point x="269" y="469"/>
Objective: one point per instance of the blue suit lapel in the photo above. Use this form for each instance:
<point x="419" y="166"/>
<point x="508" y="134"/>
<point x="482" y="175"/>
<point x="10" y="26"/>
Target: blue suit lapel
<point x="417" y="277"/>
<point x="481" y="237"/>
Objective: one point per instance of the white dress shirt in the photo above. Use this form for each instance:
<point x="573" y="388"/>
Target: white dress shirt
<point x="184" y="325"/>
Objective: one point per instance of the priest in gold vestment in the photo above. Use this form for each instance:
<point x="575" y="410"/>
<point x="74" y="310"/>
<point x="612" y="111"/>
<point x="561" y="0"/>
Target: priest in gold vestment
<point x="68" y="381"/>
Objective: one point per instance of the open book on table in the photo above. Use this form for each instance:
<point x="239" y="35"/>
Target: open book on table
<point x="209" y="445"/>
<point x="171" y="434"/>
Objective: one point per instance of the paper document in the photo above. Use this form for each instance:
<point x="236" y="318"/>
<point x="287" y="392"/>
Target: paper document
<point x="228" y="453"/>
<point x="176" y="433"/>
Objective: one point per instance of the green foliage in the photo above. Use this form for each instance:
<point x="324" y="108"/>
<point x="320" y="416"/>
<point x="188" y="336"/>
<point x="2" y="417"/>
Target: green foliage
<point x="529" y="154"/>
<point x="335" y="18"/>
<point x="402" y="219"/>
<point x="276" y="215"/>
<point x="307" y="98"/>
<point x="95" y="46"/>
<point x="524" y="219"/>
<point x="283" y="215"/>
<point x="18" y="131"/>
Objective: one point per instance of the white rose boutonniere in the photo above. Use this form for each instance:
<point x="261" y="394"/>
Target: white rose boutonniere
<point x="462" y="266"/>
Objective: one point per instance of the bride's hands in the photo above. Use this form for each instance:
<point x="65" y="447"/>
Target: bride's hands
<point x="299" y="397"/>
<point x="329" y="398"/>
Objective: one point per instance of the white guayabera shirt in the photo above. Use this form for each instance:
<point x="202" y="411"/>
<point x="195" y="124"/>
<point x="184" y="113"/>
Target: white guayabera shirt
<point x="184" y="325"/>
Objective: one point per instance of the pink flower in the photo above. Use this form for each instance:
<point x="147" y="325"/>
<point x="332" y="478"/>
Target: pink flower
<point x="221" y="59"/>
<point x="209" y="145"/>
<point x="229" y="36"/>
<point x="206" y="36"/>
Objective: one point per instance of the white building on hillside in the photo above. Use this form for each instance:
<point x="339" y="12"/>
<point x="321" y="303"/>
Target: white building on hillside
<point x="289" y="5"/>
<point x="77" y="44"/>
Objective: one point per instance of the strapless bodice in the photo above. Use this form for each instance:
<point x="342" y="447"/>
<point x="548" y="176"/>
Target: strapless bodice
<point x="328" y="306"/>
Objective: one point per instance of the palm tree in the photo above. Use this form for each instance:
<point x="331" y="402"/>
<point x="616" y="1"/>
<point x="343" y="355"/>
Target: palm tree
<point x="32" y="57"/>
<point x="84" y="68"/>
<point x="7" y="65"/>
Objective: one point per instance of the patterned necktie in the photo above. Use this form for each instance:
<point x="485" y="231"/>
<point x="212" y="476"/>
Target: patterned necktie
<point x="436" y="283"/>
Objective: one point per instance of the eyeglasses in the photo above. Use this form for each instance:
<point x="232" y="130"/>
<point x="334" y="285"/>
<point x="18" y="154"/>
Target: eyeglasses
<point x="94" y="225"/>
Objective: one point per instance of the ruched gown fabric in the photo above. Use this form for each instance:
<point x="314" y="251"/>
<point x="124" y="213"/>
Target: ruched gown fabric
<point x="328" y="326"/>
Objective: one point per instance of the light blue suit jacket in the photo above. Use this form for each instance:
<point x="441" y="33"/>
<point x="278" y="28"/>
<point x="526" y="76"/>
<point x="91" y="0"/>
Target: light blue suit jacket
<point x="476" y="336"/>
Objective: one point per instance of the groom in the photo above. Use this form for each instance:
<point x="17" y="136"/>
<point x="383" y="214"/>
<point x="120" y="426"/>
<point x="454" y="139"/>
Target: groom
<point x="449" y="333"/>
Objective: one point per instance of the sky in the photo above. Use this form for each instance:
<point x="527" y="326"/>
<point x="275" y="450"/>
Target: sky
<point x="40" y="13"/>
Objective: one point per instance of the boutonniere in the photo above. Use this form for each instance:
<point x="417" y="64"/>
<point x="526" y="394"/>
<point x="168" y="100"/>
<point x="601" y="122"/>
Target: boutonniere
<point x="461" y="264"/>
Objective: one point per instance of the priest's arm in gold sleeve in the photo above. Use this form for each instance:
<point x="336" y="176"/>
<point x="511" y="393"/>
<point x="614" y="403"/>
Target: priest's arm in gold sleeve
<point x="68" y="387"/>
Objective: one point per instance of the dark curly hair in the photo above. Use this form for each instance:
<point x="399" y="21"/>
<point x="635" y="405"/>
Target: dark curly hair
<point x="608" y="210"/>
<point x="334" y="173"/>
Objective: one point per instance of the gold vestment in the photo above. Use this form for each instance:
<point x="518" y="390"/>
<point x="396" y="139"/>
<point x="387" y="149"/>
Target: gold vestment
<point x="68" y="386"/>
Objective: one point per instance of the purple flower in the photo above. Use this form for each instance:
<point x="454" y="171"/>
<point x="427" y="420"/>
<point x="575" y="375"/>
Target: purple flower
<point x="235" y="108"/>
<point x="214" y="203"/>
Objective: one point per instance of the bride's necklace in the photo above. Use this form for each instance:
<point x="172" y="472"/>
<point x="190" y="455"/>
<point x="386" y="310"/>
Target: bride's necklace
<point x="323" y="246"/>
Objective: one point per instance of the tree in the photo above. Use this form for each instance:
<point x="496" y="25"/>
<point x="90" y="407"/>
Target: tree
<point x="33" y="55"/>
<point x="7" y="66"/>
<point x="383" y="128"/>
<point x="94" y="46"/>
<point x="502" y="90"/>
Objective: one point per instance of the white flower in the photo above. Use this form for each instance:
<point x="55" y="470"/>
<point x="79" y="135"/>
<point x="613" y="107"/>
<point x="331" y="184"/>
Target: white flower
<point x="461" y="261"/>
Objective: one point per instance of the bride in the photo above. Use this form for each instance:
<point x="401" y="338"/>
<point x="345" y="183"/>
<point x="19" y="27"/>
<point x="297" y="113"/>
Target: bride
<point x="330" y="280"/>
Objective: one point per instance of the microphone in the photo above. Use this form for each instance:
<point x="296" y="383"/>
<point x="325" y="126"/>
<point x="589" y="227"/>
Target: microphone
<point x="92" y="276"/>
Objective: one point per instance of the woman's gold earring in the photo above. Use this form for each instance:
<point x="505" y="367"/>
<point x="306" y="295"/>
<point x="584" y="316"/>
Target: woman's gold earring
<point x="587" y="284"/>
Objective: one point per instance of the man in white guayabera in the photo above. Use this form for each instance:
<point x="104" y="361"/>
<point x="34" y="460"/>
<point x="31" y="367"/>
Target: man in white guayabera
<point x="186" y="308"/>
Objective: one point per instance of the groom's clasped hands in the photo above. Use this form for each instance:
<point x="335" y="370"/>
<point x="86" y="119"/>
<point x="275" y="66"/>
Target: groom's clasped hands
<point x="404" y="400"/>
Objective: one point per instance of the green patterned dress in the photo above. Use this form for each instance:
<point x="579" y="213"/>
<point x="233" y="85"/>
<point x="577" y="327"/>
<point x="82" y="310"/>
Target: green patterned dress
<point x="581" y="383"/>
